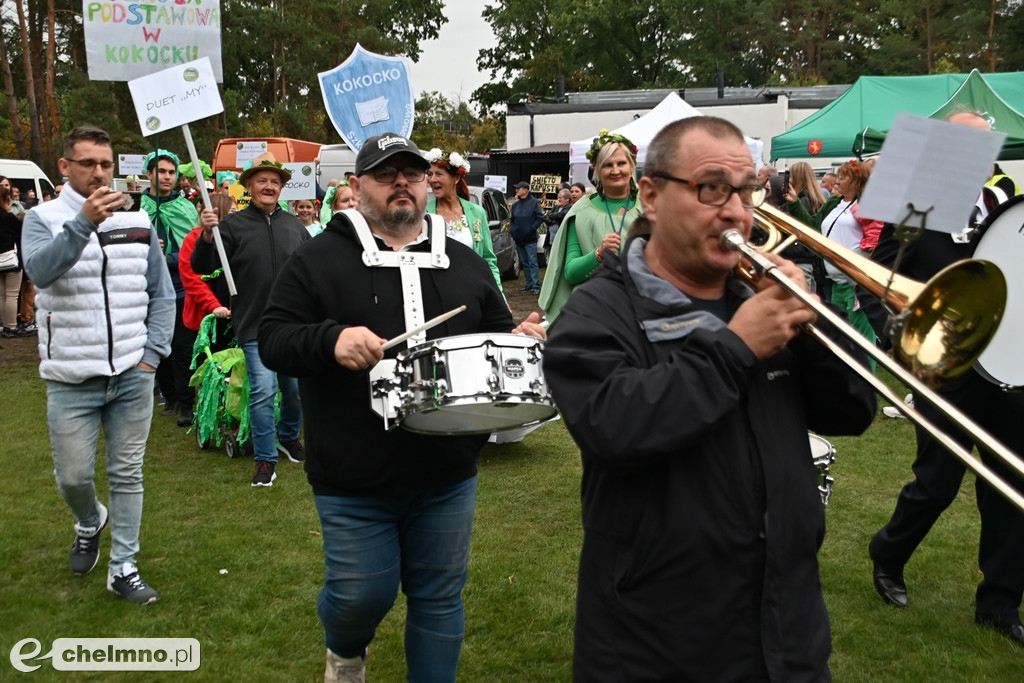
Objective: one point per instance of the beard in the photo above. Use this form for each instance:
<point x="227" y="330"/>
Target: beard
<point x="397" y="222"/>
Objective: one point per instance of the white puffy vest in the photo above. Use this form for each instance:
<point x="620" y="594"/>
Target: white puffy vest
<point x="92" y="320"/>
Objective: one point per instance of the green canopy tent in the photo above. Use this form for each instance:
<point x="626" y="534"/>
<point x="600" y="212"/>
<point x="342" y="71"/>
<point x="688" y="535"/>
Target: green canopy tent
<point x="975" y="94"/>
<point x="873" y="102"/>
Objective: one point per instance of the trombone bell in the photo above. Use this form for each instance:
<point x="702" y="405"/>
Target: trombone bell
<point x="939" y="328"/>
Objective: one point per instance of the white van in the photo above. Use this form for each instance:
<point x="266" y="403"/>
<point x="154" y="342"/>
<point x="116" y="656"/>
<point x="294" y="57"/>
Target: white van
<point x="25" y="176"/>
<point x="334" y="161"/>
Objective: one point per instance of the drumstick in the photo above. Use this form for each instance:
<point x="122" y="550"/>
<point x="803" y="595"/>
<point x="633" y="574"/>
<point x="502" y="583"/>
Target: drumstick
<point x="422" y="328"/>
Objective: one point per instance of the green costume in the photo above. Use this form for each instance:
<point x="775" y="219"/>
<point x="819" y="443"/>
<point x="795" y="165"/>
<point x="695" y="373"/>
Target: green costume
<point x="177" y="216"/>
<point x="571" y="260"/>
<point x="476" y="217"/>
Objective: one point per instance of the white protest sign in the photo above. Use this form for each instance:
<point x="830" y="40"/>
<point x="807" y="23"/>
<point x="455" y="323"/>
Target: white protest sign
<point x="127" y="39"/>
<point x="131" y="164"/>
<point x="303" y="182"/>
<point x="913" y="169"/>
<point x="249" y="150"/>
<point x="175" y="96"/>
<point x="497" y="182"/>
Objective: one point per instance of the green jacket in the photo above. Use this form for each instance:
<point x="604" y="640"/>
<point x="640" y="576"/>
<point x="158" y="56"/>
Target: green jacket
<point x="589" y="221"/>
<point x="481" y="229"/>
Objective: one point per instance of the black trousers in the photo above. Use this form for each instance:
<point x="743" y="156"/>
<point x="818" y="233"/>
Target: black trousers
<point x="173" y="374"/>
<point x="938" y="475"/>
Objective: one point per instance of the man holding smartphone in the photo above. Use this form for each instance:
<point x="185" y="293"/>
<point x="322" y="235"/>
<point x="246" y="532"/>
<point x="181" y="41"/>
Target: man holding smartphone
<point x="100" y="341"/>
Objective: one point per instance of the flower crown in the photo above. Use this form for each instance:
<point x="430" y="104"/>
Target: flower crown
<point x="603" y="138"/>
<point x="453" y="163"/>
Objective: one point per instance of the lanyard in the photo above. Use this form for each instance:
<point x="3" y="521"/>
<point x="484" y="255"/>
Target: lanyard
<point x="622" y="221"/>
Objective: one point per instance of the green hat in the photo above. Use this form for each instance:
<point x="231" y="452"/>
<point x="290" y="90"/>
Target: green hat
<point x="264" y="162"/>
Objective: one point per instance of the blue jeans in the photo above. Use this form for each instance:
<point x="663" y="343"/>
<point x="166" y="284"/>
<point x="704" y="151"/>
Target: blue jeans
<point x="263" y="386"/>
<point x="373" y="543"/>
<point x="74" y="412"/>
<point x="528" y="259"/>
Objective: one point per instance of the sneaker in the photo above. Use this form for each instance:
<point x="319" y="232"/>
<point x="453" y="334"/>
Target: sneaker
<point x="891" y="411"/>
<point x="9" y="333"/>
<point x="345" y="669"/>
<point x="265" y="474"/>
<point x="27" y="329"/>
<point x="86" y="549"/>
<point x="293" y="450"/>
<point x="130" y="586"/>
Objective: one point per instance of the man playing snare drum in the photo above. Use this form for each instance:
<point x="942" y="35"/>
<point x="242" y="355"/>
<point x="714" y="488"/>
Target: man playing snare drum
<point x="395" y="507"/>
<point x="690" y="397"/>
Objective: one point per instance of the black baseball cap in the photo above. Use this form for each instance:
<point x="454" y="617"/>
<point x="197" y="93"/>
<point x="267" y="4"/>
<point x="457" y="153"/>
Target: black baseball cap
<point x="380" y="148"/>
<point x="522" y="185"/>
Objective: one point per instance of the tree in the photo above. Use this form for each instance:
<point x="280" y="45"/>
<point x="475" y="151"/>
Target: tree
<point x="272" y="51"/>
<point x="605" y="45"/>
<point x="454" y="127"/>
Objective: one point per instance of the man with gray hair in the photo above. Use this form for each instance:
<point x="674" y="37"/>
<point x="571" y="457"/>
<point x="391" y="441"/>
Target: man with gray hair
<point x="690" y="396"/>
<point x="553" y="218"/>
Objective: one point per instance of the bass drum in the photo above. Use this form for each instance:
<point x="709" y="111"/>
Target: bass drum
<point x="1002" y="243"/>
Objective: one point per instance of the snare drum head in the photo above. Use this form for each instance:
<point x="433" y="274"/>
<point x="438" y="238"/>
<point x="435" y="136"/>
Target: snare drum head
<point x="473" y="384"/>
<point x="1002" y="243"/>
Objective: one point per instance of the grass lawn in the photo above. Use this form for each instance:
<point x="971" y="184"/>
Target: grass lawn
<point x="256" y="621"/>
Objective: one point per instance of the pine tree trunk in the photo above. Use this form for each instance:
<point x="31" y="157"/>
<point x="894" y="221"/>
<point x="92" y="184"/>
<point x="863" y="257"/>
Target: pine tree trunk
<point x="12" y="98"/>
<point x="30" y="87"/>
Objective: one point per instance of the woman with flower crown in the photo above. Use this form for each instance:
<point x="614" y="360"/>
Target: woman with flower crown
<point x="837" y="220"/>
<point x="464" y="221"/>
<point x="595" y="223"/>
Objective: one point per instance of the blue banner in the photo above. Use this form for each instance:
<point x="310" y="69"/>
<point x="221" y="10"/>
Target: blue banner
<point x="367" y="95"/>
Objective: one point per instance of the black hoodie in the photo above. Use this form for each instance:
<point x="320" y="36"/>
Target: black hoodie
<point x="324" y="288"/>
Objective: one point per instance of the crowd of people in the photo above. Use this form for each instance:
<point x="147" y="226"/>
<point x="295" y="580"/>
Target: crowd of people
<point x="699" y="557"/>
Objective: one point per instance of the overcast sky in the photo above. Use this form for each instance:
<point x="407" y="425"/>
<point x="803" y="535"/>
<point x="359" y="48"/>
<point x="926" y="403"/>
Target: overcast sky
<point x="448" y="64"/>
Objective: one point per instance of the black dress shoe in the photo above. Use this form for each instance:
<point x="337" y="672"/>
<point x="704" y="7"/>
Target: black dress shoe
<point x="890" y="586"/>
<point x="1012" y="630"/>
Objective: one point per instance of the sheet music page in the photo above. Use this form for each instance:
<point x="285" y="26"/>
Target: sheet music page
<point x="926" y="163"/>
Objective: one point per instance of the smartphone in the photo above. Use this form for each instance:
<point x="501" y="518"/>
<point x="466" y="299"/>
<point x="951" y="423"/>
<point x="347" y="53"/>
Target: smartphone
<point x="785" y="183"/>
<point x="132" y="201"/>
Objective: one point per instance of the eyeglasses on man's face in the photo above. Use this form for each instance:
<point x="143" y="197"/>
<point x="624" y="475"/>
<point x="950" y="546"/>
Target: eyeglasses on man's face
<point x="387" y="174"/>
<point x="90" y="164"/>
<point x="716" y="193"/>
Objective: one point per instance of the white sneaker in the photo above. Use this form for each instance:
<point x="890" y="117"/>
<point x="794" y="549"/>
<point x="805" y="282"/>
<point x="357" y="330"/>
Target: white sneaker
<point x="345" y="669"/>
<point x="890" y="411"/>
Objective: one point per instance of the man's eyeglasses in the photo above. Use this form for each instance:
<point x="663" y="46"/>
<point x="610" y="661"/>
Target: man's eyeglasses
<point x="387" y="174"/>
<point x="89" y="164"/>
<point x="718" y="193"/>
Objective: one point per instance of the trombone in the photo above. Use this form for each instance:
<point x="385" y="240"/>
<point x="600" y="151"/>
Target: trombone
<point x="939" y="329"/>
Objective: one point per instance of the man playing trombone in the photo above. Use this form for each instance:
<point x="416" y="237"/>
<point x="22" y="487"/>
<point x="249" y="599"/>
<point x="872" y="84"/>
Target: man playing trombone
<point x="937" y="474"/>
<point x="690" y="396"/>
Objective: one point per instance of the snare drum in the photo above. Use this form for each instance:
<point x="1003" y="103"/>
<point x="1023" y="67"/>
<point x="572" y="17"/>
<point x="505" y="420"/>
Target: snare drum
<point x="472" y="384"/>
<point x="823" y="454"/>
<point x="1002" y="243"/>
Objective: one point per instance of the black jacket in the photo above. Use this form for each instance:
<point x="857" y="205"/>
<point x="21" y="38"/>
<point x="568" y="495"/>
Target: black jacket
<point x="257" y="246"/>
<point x="324" y="288"/>
<point x="702" y="520"/>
